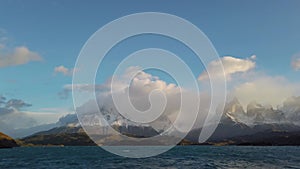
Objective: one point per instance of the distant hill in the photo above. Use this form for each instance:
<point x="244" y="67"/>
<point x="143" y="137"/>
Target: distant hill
<point x="75" y="136"/>
<point x="60" y="136"/>
<point x="7" y="142"/>
<point x="266" y="138"/>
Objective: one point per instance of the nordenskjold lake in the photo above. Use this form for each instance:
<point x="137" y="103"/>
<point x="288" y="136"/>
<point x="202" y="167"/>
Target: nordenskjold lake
<point x="178" y="157"/>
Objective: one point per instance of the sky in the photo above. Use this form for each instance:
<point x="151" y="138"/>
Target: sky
<point x="41" y="40"/>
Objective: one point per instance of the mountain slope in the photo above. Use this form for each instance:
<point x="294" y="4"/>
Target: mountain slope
<point x="237" y="123"/>
<point x="7" y="142"/>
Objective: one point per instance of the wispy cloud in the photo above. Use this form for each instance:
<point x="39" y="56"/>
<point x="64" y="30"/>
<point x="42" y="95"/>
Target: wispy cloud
<point x="64" y="70"/>
<point x="2" y="46"/>
<point x="67" y="89"/>
<point x="12" y="104"/>
<point x="3" y="38"/>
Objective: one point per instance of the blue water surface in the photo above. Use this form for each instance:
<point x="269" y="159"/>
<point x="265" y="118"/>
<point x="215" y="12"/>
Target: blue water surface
<point x="178" y="157"/>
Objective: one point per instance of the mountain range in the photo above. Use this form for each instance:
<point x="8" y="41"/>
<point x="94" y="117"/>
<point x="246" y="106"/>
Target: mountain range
<point x="256" y="125"/>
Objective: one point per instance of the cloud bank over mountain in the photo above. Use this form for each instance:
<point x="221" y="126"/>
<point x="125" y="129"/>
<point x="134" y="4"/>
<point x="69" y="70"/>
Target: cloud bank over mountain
<point x="140" y="92"/>
<point x="267" y="96"/>
<point x="265" y="90"/>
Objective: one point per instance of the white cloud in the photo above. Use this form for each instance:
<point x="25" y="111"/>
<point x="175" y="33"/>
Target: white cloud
<point x="140" y="87"/>
<point x="253" y="85"/>
<point x="231" y="66"/>
<point x="65" y="71"/>
<point x="15" y="56"/>
<point x="296" y="63"/>
<point x="20" y="55"/>
<point x="142" y="79"/>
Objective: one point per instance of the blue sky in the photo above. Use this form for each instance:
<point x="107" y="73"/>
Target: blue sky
<point x="57" y="30"/>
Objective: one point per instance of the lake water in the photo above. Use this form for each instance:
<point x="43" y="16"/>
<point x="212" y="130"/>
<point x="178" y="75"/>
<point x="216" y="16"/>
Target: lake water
<point x="178" y="157"/>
